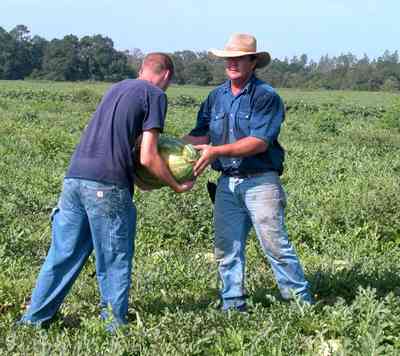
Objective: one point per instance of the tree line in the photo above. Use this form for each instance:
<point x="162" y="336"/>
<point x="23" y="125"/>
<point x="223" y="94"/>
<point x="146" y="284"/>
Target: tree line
<point x="23" y="56"/>
<point x="70" y="58"/>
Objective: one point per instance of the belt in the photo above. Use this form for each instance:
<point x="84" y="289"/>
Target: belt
<point x="243" y="175"/>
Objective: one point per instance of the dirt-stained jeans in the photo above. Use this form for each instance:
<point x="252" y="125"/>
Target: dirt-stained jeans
<point x="258" y="202"/>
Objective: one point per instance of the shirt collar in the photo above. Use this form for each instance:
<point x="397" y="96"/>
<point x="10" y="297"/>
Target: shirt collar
<point x="247" y="87"/>
<point x="249" y="84"/>
<point x="227" y="86"/>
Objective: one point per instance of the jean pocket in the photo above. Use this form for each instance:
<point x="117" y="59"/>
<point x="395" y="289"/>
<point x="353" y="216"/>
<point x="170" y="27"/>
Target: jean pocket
<point x="119" y="234"/>
<point x="69" y="198"/>
<point x="265" y="191"/>
<point x="103" y="201"/>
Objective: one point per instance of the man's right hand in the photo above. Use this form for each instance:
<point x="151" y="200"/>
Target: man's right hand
<point x="185" y="186"/>
<point x="208" y="155"/>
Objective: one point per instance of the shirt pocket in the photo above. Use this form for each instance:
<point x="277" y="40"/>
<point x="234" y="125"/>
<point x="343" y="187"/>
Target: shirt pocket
<point x="242" y="124"/>
<point x="218" y="128"/>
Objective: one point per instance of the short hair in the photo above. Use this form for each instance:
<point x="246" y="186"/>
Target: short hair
<point x="159" y="62"/>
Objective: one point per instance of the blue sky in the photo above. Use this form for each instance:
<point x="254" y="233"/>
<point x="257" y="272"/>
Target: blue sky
<point x="284" y="28"/>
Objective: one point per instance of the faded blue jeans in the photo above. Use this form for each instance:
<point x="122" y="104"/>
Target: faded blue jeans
<point x="259" y="202"/>
<point x="89" y="215"/>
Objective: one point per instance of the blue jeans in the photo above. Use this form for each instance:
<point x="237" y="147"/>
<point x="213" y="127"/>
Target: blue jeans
<point x="258" y="202"/>
<point x="89" y="215"/>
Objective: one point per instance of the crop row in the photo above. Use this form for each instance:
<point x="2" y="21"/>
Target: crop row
<point x="345" y="109"/>
<point x="301" y="106"/>
<point x="89" y="96"/>
<point x="43" y="95"/>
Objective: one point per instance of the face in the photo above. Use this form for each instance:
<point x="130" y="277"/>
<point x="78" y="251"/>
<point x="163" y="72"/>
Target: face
<point x="239" y="68"/>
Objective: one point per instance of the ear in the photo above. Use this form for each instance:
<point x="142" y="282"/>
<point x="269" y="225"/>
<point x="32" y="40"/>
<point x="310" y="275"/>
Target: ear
<point x="167" y="75"/>
<point x="254" y="64"/>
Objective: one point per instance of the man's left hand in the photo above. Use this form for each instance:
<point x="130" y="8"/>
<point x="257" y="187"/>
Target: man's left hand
<point x="208" y="155"/>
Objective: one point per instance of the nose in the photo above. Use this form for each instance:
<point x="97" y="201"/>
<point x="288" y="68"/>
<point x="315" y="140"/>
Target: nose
<point x="231" y="61"/>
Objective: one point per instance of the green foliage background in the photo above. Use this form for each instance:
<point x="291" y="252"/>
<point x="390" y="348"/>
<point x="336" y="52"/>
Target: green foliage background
<point x="342" y="179"/>
<point x="94" y="57"/>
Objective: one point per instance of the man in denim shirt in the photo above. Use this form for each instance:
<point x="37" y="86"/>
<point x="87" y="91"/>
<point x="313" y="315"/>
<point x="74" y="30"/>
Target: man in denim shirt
<point x="242" y="119"/>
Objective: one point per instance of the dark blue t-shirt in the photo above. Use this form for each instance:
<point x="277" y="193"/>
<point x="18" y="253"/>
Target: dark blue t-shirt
<point x="104" y="152"/>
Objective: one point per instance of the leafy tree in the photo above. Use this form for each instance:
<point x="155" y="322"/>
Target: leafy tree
<point x="62" y="60"/>
<point x="198" y="73"/>
<point x="179" y="66"/>
<point x="391" y="84"/>
<point x="135" y="58"/>
<point x="15" y="53"/>
<point x="38" y="48"/>
<point x="186" y="56"/>
<point x="119" y="68"/>
<point x="96" y="53"/>
<point x="5" y="53"/>
<point x="95" y="58"/>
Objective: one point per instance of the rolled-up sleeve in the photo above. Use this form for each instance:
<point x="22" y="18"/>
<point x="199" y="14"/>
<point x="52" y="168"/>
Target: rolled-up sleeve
<point x="267" y="117"/>
<point x="203" y="120"/>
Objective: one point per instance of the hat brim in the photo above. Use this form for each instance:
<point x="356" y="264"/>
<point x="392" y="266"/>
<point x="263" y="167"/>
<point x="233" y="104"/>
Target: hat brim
<point x="263" y="58"/>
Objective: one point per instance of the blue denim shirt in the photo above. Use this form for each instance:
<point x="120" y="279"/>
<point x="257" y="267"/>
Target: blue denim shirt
<point x="257" y="111"/>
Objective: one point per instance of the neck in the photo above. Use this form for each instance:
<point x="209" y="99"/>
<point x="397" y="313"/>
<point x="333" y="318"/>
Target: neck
<point x="144" y="77"/>
<point x="146" y="74"/>
<point x="238" y="84"/>
<point x="148" y="79"/>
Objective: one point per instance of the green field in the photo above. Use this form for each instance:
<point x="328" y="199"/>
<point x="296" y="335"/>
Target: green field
<point x="342" y="176"/>
<point x="333" y="96"/>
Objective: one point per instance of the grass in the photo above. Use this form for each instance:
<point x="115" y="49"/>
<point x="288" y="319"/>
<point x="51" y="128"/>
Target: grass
<point x="342" y="179"/>
<point x="381" y="99"/>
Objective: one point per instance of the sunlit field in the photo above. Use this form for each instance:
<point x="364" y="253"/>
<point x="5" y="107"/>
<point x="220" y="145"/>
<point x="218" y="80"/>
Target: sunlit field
<point x="342" y="177"/>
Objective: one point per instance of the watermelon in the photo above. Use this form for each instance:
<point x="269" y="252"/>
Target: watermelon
<point x="179" y="157"/>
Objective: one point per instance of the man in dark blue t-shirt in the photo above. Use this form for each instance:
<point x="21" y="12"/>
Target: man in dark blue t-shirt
<point x="95" y="209"/>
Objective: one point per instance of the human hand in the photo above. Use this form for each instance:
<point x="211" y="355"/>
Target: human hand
<point x="208" y="155"/>
<point x="185" y="186"/>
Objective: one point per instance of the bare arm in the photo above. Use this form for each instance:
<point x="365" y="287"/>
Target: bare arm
<point x="244" y="147"/>
<point x="196" y="140"/>
<point x="151" y="159"/>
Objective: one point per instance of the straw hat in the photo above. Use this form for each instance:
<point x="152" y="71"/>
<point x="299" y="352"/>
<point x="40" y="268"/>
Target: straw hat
<point x="242" y="44"/>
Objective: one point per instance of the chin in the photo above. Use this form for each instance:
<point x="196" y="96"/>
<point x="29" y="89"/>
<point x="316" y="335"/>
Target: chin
<point x="234" y="75"/>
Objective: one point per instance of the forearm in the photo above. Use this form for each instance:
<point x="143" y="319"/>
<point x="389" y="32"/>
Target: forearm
<point x="247" y="146"/>
<point x="159" y="169"/>
<point x="244" y="147"/>
<point x="151" y="159"/>
<point x="196" y="140"/>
